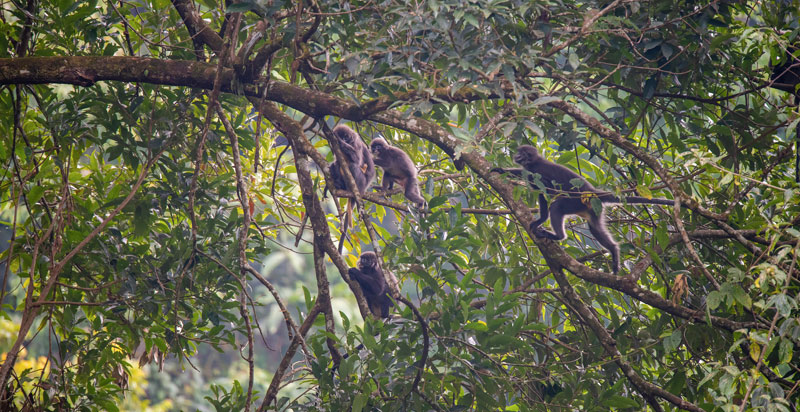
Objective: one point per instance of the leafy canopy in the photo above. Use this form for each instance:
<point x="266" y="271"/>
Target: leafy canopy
<point x="161" y="159"/>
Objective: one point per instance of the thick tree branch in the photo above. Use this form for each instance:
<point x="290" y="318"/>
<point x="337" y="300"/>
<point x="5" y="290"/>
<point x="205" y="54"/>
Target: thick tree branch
<point x="648" y="390"/>
<point x="198" y="29"/>
<point x="299" y="144"/>
<point x="87" y="70"/>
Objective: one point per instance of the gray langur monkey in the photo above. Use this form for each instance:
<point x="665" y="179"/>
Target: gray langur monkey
<point x="370" y="277"/>
<point x="359" y="162"/>
<point x="397" y="167"/>
<point x="571" y="194"/>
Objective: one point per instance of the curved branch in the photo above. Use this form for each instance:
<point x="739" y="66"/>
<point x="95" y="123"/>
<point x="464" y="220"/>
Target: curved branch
<point x="300" y="146"/>
<point x="198" y="29"/>
<point x="425" y="342"/>
<point x="277" y="378"/>
<point x="87" y="70"/>
<point x="648" y="390"/>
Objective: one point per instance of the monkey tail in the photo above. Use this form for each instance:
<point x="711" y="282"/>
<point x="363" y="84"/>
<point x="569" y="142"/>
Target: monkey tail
<point x="609" y="198"/>
<point x="346" y="223"/>
<point x="654" y="201"/>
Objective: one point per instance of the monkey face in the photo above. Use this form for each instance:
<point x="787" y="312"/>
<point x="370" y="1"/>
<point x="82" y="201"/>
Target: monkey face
<point x="346" y="137"/>
<point x="526" y="155"/>
<point x="368" y="260"/>
<point x="345" y="134"/>
<point x="377" y="146"/>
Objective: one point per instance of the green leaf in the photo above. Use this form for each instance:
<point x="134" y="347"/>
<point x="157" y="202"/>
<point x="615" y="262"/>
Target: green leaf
<point x="574" y="61"/>
<point x="672" y="341"/>
<point x="35" y="194"/>
<point x="741" y="296"/>
<point x="242" y="7"/>
<point x="786" y="351"/>
<point x="677" y="383"/>
<point x="616" y="401"/>
<point x="479" y="326"/>
<point x="649" y="88"/>
<point x="714" y="299"/>
<point x="543" y="101"/>
<point x="644" y="191"/>
<point x="359" y="402"/>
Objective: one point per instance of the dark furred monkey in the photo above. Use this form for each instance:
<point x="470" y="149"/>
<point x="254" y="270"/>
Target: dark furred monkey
<point x="361" y="166"/>
<point x="397" y="166"/>
<point x="370" y="276"/>
<point x="358" y="160"/>
<point x="571" y="194"/>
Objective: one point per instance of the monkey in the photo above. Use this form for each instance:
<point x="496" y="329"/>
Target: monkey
<point x="397" y="166"/>
<point x="571" y="195"/>
<point x="370" y="277"/>
<point x="359" y="161"/>
<point x="358" y="157"/>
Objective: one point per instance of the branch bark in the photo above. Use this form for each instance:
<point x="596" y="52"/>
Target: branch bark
<point x="88" y="70"/>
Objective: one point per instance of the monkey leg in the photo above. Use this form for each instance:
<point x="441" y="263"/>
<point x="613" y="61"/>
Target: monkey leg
<point x="559" y="210"/>
<point x="388" y="182"/>
<point x="358" y="178"/>
<point x="544" y="214"/>
<point x="386" y="185"/>
<point x="412" y="192"/>
<point x="385" y="304"/>
<point x="597" y="226"/>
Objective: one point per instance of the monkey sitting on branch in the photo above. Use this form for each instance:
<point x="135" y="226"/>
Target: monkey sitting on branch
<point x="370" y="277"/>
<point x="359" y="162"/>
<point x="571" y="194"/>
<point x="397" y="166"/>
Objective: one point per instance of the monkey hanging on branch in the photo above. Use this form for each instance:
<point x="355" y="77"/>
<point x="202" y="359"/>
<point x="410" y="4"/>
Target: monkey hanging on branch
<point x="370" y="277"/>
<point x="397" y="167"/>
<point x="377" y="290"/>
<point x="359" y="161"/>
<point x="571" y="194"/>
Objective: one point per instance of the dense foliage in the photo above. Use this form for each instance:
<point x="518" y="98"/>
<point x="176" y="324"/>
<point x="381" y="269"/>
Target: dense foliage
<point x="162" y="191"/>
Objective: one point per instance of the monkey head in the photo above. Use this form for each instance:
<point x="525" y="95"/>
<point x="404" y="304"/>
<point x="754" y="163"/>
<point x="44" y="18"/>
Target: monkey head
<point x="368" y="261"/>
<point x="345" y="134"/>
<point x="526" y="155"/>
<point x="378" y="146"/>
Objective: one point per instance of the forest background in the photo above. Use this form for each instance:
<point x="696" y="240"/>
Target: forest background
<point x="160" y="160"/>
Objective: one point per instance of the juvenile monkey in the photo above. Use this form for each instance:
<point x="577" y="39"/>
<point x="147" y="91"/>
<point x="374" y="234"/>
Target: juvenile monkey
<point x="571" y="194"/>
<point x="370" y="277"/>
<point x="359" y="161"/>
<point x="397" y="166"/>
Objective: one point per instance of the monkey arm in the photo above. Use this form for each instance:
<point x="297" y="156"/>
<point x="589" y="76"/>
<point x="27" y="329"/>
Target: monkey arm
<point x="371" y="284"/>
<point x="375" y="290"/>
<point x="350" y="152"/>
